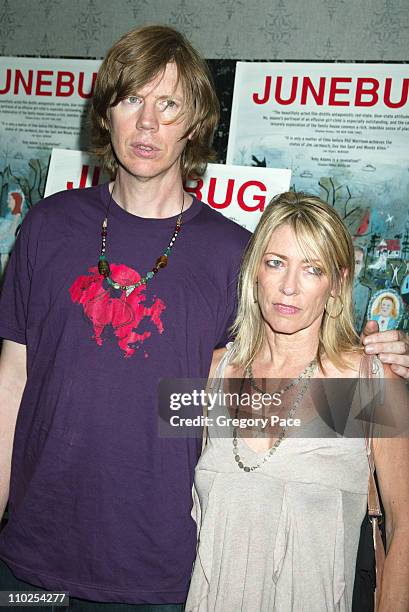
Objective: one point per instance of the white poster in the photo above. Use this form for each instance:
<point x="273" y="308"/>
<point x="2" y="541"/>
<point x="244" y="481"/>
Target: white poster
<point x="343" y="129"/>
<point x="240" y="193"/>
<point x="43" y="104"/>
<point x="73" y="170"/>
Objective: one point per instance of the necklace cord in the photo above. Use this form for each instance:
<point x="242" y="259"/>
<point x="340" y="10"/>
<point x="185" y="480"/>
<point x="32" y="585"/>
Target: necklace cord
<point x="162" y="261"/>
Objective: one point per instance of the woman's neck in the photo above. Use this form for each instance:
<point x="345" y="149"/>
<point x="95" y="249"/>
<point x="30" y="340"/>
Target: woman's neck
<point x="285" y="355"/>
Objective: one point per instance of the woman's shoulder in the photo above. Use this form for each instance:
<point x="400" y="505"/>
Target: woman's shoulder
<point x="230" y="370"/>
<point x="218" y="354"/>
<point x="357" y="363"/>
<point x="352" y="361"/>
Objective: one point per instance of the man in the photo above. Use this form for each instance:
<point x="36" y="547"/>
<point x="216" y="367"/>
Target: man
<point x="109" y="290"/>
<point x="99" y="504"/>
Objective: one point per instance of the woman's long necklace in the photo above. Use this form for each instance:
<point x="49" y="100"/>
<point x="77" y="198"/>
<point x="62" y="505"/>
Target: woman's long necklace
<point x="290" y="385"/>
<point x="306" y="375"/>
<point x="103" y="265"/>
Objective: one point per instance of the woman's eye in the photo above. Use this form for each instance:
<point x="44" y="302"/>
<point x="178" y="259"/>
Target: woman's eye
<point x="274" y="263"/>
<point x="315" y="270"/>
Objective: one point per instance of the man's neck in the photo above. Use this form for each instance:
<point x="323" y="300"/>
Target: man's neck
<point x="156" y="198"/>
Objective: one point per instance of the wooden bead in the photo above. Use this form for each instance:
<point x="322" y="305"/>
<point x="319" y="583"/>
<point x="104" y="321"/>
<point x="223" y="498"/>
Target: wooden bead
<point x="103" y="267"/>
<point x="161" y="262"/>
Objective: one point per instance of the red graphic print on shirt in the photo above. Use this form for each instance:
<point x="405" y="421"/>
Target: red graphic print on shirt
<point x="103" y="307"/>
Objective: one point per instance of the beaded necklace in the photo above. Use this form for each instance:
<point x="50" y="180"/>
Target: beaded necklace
<point x="306" y="375"/>
<point x="287" y="387"/>
<point x="103" y="265"/>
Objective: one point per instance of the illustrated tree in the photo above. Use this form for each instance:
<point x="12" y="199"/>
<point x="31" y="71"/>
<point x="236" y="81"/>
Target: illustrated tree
<point x="339" y="195"/>
<point x="32" y="184"/>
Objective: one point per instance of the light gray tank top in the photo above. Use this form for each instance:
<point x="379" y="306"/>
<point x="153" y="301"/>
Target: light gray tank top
<point x="284" y="537"/>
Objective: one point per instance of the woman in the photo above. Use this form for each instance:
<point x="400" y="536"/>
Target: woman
<point x="279" y="515"/>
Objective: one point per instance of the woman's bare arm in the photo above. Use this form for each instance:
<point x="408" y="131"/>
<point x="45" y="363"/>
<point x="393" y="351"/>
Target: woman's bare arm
<point x="392" y="467"/>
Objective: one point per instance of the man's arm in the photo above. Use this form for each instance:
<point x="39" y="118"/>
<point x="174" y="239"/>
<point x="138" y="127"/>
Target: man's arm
<point x="392" y="347"/>
<point x="13" y="377"/>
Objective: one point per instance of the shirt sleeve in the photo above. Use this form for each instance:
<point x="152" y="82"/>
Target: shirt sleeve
<point x="16" y="287"/>
<point x="223" y="332"/>
<point x="224" y="335"/>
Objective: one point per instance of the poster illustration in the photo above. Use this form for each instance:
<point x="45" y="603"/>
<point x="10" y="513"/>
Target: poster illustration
<point x="239" y="193"/>
<point x="386" y="308"/>
<point x="343" y="131"/>
<point x="43" y="104"/>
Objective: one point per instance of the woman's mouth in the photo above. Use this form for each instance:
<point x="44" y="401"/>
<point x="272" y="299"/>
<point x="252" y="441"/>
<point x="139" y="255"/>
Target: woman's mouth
<point x="286" y="309"/>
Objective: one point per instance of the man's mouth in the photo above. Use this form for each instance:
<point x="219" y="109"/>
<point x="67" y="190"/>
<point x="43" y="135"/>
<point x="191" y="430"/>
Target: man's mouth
<point x="145" y="147"/>
<point x="145" y="150"/>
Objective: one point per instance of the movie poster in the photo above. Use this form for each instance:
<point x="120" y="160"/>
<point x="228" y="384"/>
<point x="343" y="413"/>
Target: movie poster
<point x="343" y="129"/>
<point x="43" y="104"/>
<point x="238" y="192"/>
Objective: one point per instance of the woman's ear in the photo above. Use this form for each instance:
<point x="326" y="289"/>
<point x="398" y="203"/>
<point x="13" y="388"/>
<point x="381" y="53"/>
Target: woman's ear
<point x="344" y="274"/>
<point x="336" y="290"/>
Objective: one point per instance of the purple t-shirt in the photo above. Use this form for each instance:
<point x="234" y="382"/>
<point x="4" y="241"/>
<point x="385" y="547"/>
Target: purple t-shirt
<point x="99" y="503"/>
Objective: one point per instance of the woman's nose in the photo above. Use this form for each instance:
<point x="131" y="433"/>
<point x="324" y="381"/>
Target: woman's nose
<point x="289" y="282"/>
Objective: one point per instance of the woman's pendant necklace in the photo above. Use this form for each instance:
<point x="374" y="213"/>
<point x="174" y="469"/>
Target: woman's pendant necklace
<point x="306" y="375"/>
<point x="103" y="264"/>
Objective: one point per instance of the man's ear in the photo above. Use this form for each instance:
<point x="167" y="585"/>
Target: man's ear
<point x="106" y="123"/>
<point x="192" y="133"/>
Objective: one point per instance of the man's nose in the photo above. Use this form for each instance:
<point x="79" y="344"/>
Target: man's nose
<point x="147" y="117"/>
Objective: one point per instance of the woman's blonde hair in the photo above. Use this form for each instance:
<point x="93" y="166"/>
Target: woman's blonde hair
<point x="135" y="60"/>
<point x="321" y="235"/>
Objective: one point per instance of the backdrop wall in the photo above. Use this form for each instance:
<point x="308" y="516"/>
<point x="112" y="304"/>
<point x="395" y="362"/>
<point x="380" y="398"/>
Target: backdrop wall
<point x="228" y="29"/>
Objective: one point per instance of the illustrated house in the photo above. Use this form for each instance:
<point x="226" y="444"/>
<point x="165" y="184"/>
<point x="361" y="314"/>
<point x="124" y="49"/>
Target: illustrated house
<point x="391" y="247"/>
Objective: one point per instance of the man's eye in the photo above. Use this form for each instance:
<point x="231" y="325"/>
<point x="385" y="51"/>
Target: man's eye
<point x="133" y="100"/>
<point x="168" y="104"/>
